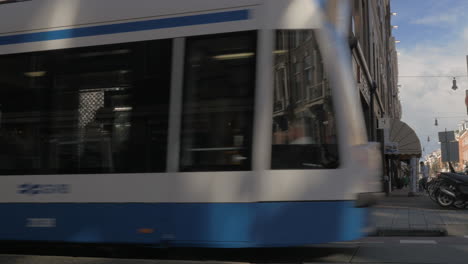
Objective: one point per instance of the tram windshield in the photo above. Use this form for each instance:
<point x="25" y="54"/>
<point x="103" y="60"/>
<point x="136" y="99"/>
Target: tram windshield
<point x="304" y="124"/>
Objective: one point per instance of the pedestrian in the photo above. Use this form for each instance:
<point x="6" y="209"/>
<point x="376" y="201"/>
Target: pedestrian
<point x="424" y="176"/>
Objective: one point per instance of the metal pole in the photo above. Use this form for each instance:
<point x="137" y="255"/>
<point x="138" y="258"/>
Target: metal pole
<point x="413" y="176"/>
<point x="447" y="148"/>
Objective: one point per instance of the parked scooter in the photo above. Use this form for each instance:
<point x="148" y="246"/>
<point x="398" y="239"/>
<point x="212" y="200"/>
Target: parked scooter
<point x="450" y="189"/>
<point x="432" y="186"/>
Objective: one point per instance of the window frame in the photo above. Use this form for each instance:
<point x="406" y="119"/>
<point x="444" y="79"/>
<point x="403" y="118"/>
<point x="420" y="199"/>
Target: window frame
<point x="254" y="34"/>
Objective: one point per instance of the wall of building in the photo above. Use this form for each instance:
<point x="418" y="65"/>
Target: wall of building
<point x="375" y="66"/>
<point x="375" y="61"/>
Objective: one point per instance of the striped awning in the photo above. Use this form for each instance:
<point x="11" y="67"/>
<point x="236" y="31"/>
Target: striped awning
<point x="406" y="140"/>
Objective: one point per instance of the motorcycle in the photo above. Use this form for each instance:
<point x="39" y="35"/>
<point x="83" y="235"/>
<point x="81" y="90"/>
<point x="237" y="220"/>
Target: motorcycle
<point x="450" y="189"/>
<point x="432" y="186"/>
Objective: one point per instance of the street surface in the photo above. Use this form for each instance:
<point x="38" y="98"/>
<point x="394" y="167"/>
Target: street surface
<point x="367" y="250"/>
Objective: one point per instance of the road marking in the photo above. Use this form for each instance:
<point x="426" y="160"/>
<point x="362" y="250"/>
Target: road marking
<point x="346" y="242"/>
<point x="418" y="242"/>
<point x="372" y="242"/>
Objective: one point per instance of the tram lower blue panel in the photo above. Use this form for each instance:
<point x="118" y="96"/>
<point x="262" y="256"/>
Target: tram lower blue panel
<point x="200" y="225"/>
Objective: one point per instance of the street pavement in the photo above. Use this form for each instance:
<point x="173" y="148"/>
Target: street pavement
<point x="400" y="215"/>
<point x="408" y="250"/>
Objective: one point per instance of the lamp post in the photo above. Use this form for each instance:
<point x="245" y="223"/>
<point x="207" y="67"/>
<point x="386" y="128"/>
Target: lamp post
<point x="447" y="147"/>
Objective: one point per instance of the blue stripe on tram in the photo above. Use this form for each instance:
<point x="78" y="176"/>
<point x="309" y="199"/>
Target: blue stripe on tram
<point x="173" y="22"/>
<point x="275" y="224"/>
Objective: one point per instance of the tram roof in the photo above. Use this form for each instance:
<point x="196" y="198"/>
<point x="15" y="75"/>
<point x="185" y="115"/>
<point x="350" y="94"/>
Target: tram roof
<point x="27" y="16"/>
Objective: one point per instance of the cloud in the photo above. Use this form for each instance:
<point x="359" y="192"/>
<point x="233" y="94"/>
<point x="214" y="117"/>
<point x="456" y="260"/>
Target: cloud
<point x="436" y="19"/>
<point x="441" y="15"/>
<point x="465" y="36"/>
<point x="424" y="99"/>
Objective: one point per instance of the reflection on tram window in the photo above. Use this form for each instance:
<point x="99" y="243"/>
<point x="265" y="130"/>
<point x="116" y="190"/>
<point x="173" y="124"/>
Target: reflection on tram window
<point x="218" y="103"/>
<point x="97" y="109"/>
<point x="304" y="127"/>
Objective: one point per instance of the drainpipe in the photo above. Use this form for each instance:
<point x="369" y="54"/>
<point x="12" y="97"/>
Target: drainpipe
<point x="373" y="89"/>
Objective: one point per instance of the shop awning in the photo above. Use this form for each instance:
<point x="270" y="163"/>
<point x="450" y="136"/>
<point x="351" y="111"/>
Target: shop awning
<point x="402" y="140"/>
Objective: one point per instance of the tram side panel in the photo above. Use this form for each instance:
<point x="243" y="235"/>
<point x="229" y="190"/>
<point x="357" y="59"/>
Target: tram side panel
<point x="126" y="211"/>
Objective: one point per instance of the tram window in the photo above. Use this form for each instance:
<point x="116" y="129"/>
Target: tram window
<point x="101" y="109"/>
<point x="218" y="102"/>
<point x="304" y="126"/>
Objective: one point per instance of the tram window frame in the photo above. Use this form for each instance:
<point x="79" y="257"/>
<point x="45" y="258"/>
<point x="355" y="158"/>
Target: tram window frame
<point x="50" y="130"/>
<point x="238" y="155"/>
<point x="304" y="134"/>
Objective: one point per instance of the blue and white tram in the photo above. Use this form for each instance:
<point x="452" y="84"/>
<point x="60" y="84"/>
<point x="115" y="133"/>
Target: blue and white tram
<point x="207" y="123"/>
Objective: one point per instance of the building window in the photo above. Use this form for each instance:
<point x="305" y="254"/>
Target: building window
<point x="308" y="77"/>
<point x="101" y="109"/>
<point x="299" y="89"/>
<point x="280" y="90"/>
<point x="358" y="74"/>
<point x="218" y="102"/>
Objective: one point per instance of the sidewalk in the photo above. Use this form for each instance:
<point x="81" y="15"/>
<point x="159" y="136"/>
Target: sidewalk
<point x="400" y="215"/>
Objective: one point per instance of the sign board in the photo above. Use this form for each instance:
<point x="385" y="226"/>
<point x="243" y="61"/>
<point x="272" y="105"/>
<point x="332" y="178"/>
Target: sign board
<point x="466" y="100"/>
<point x="391" y="148"/>
<point x="450" y="151"/>
<point x="384" y="123"/>
<point x="447" y="136"/>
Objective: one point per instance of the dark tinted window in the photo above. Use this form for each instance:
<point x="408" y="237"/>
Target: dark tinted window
<point x="304" y="126"/>
<point x="86" y="110"/>
<point x="218" y="102"/>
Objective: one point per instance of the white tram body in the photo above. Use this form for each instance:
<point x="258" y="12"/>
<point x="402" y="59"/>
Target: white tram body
<point x="220" y="123"/>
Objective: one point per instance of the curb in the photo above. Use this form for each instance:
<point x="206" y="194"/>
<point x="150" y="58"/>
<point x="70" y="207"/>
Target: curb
<point x="381" y="232"/>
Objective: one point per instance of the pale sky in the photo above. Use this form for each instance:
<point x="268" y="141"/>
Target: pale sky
<point x="434" y="42"/>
